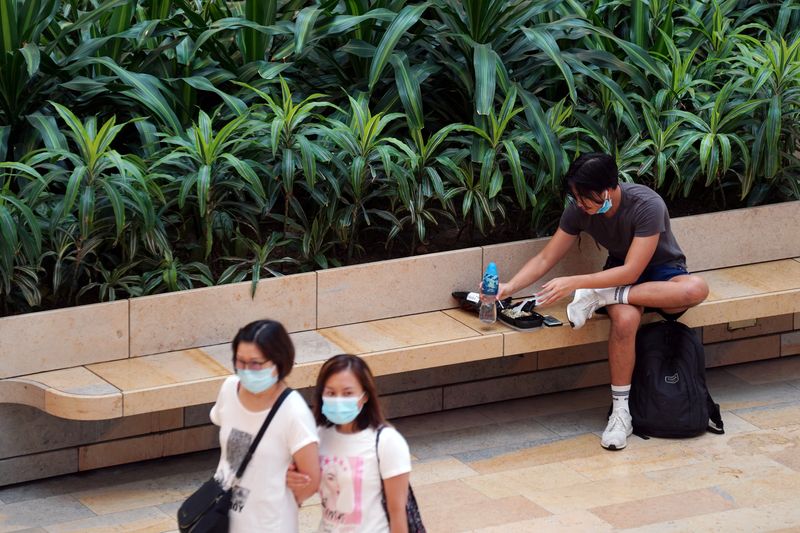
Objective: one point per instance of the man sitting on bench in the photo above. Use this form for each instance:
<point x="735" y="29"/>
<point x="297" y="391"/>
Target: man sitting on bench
<point x="645" y="269"/>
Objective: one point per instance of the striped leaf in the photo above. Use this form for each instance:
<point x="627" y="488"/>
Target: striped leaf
<point x="31" y="54"/>
<point x="303" y="27"/>
<point x="485" y="65"/>
<point x="261" y="12"/>
<point x="48" y="130"/>
<point x="408" y="88"/>
<point x="407" y="17"/>
<point x="235" y="104"/>
<point x="545" y="42"/>
<point x="145" y="89"/>
<point x="5" y="131"/>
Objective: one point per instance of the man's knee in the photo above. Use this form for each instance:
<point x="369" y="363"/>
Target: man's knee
<point x="625" y="320"/>
<point x="696" y="290"/>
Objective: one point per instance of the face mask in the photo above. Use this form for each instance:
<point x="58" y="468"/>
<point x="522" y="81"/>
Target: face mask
<point x="606" y="205"/>
<point x="340" y="410"/>
<point x="257" y="381"/>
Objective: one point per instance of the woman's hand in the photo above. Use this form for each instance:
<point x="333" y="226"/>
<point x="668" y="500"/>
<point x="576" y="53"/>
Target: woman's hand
<point x="555" y="289"/>
<point x="296" y="481"/>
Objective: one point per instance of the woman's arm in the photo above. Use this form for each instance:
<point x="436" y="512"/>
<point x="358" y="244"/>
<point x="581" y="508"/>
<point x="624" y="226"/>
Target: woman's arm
<point x="306" y="461"/>
<point x="396" y="489"/>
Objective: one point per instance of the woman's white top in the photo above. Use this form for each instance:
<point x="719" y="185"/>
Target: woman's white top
<point x="350" y="487"/>
<point x="261" y="500"/>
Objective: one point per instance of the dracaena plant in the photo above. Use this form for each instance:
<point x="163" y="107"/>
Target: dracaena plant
<point x="362" y="160"/>
<point x="213" y="178"/>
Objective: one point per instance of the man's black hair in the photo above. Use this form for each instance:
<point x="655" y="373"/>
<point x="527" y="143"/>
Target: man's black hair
<point x="590" y="175"/>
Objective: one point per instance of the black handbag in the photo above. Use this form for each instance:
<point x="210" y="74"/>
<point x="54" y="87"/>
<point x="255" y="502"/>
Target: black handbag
<point x="206" y="510"/>
<point x="413" y="517"/>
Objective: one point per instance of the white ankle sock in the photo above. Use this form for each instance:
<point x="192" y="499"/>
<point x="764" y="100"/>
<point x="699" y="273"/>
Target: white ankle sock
<point x="614" y="295"/>
<point x="619" y="396"/>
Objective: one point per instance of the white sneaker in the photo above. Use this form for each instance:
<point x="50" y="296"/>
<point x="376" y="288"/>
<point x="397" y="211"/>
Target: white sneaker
<point x="619" y="428"/>
<point x="583" y="306"/>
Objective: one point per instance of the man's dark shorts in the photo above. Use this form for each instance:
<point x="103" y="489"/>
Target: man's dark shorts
<point x="651" y="273"/>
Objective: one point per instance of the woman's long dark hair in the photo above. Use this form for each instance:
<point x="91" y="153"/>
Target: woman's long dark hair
<point x="371" y="414"/>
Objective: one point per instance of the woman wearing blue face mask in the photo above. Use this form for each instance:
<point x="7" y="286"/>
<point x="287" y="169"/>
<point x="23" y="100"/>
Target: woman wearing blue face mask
<point x="353" y="468"/>
<point x="263" y="355"/>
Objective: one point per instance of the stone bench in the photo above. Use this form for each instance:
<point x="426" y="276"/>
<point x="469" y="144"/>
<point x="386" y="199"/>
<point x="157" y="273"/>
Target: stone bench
<point x="168" y="352"/>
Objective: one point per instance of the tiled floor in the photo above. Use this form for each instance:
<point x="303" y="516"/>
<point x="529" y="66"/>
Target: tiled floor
<point x="517" y="466"/>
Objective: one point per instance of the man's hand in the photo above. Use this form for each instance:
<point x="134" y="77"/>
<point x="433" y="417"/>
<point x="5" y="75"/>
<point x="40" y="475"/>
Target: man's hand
<point x="504" y="290"/>
<point x="555" y="289"/>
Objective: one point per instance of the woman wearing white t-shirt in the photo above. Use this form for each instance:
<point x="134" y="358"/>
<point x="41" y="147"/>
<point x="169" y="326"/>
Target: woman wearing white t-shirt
<point x="349" y="415"/>
<point x="263" y="355"/>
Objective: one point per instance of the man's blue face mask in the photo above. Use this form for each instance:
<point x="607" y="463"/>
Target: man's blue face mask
<point x="604" y="208"/>
<point x="606" y="205"/>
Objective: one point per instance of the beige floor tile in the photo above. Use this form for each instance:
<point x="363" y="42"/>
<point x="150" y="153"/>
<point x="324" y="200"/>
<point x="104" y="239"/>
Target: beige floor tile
<point x="572" y="522"/>
<point x="520" y="481"/>
<point x="669" y="507"/>
<point x="763" y="490"/>
<point x="772" y="517"/>
<point x="633" y="460"/>
<point x="139" y="494"/>
<point x="432" y="495"/>
<point x="458" y="516"/>
<point x="580" y="446"/>
<point x="773" y="417"/>
<point x="765" y="442"/>
<point x="722" y="469"/>
<point x="147" y="520"/>
<point x="430" y="472"/>
<point x="596" y="493"/>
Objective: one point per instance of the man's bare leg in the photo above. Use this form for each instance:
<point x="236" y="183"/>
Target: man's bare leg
<point x="673" y="296"/>
<point x="625" y="319"/>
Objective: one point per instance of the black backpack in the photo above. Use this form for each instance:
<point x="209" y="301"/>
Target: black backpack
<point x="668" y="397"/>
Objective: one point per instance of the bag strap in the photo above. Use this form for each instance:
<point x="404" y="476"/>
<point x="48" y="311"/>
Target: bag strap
<point x="377" y="451"/>
<point x="378" y="455"/>
<point x="261" y="431"/>
<point x="715" y="424"/>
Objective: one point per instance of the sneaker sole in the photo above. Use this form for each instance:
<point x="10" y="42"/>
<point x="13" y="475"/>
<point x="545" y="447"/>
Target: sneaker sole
<point x="613" y="448"/>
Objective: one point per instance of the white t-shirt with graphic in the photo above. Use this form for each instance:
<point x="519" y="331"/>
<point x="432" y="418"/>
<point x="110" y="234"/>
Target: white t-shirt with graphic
<point x="261" y="500"/>
<point x="350" y="487"/>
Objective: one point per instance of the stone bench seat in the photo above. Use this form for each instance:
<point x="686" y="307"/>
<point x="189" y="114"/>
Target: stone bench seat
<point x="169" y="380"/>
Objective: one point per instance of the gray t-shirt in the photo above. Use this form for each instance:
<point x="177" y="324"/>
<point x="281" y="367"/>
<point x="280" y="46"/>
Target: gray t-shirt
<point x="642" y="213"/>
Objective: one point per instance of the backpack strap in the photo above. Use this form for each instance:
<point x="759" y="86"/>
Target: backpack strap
<point x="715" y="424"/>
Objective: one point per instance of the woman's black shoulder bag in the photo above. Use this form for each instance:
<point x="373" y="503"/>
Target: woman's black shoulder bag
<point x="206" y="510"/>
<point x="413" y="516"/>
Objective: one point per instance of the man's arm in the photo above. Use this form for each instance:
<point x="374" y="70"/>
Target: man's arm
<point x="639" y="255"/>
<point x="540" y="264"/>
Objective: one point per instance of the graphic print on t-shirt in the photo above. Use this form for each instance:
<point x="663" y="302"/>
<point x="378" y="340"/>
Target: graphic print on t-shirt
<point x="341" y="490"/>
<point x="235" y="450"/>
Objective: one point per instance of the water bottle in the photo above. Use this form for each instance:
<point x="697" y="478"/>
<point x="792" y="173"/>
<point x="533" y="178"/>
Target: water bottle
<point x="489" y="287"/>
